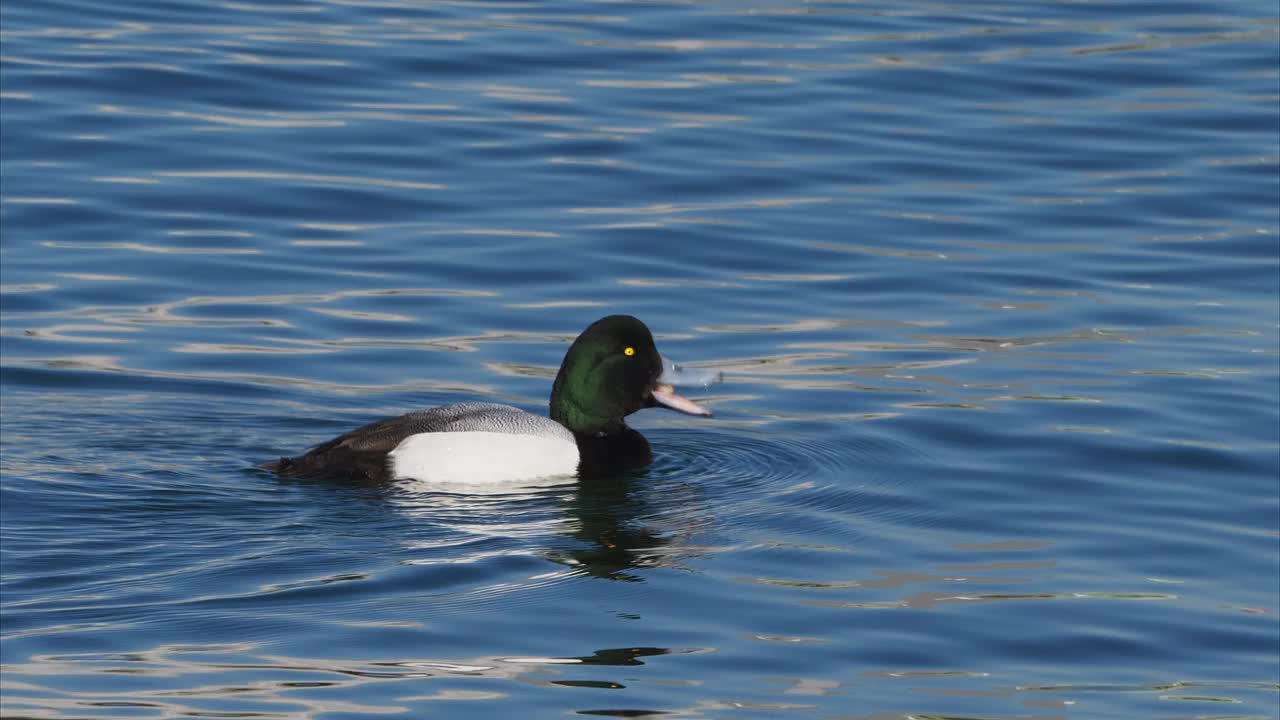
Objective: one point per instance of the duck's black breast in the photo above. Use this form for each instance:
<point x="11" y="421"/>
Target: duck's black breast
<point x="605" y="455"/>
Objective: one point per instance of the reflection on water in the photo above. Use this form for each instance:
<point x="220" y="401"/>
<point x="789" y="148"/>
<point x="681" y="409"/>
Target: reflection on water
<point x="247" y="682"/>
<point x="604" y="528"/>
<point x="622" y="528"/>
<point x="251" y="683"/>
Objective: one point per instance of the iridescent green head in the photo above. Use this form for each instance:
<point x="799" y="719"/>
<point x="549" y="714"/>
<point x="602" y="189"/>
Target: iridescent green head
<point x="612" y="370"/>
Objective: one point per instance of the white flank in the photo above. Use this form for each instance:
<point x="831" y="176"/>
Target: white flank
<point x="481" y="457"/>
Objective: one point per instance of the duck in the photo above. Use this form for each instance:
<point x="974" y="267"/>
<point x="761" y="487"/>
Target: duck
<point x="611" y="370"/>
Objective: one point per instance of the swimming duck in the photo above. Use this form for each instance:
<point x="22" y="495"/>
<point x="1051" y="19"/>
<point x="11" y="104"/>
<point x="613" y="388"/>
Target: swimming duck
<point x="610" y="371"/>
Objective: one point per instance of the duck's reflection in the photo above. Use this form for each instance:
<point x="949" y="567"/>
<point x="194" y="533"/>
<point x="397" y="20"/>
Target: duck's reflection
<point x="608" y="517"/>
<point x="606" y="527"/>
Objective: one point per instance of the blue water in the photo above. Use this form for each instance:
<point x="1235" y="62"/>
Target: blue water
<point x="995" y="289"/>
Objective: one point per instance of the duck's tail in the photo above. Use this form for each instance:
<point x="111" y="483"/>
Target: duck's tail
<point x="369" y="467"/>
<point x="280" y="467"/>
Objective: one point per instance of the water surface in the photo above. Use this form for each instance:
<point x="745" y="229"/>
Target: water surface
<point x="993" y="287"/>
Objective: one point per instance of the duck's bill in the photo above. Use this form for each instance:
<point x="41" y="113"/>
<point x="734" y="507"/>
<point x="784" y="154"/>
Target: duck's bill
<point x="665" y="396"/>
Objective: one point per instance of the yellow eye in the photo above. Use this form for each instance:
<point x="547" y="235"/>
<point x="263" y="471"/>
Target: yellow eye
<point x="629" y="351"/>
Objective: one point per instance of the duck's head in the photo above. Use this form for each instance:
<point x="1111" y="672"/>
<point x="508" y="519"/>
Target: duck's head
<point x="611" y="371"/>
